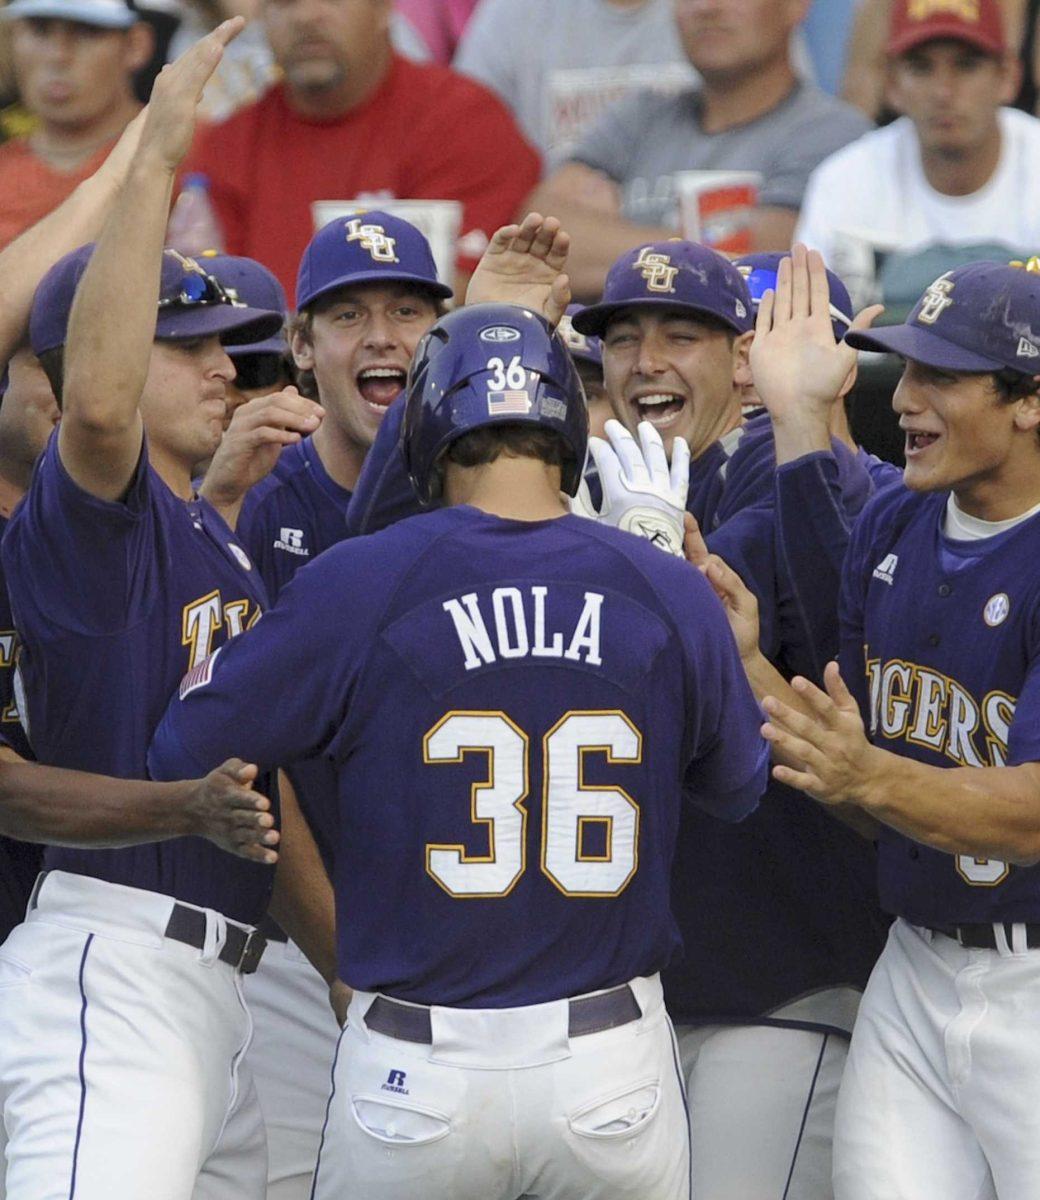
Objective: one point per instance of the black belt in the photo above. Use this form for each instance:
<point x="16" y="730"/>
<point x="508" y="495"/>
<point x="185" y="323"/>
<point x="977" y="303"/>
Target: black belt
<point x="240" y="950"/>
<point x="589" y="1014"/>
<point x="983" y="937"/>
<point x="271" y="930"/>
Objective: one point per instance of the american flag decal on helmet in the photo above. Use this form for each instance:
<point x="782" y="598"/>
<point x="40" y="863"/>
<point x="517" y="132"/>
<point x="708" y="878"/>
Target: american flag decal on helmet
<point x="510" y="403"/>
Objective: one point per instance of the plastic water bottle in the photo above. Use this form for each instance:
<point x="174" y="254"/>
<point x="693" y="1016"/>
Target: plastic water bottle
<point x="193" y="226"/>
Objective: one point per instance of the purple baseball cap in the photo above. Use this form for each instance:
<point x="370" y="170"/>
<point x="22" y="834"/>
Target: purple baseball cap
<point x="191" y="304"/>
<point x="248" y="282"/>
<point x="759" y="271"/>
<point x="366" y="247"/>
<point x="984" y="316"/>
<point x="584" y="348"/>
<point x="673" y="274"/>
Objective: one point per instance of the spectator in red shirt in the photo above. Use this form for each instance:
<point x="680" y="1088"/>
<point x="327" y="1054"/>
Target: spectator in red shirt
<point x="74" y="61"/>
<point x="351" y="118"/>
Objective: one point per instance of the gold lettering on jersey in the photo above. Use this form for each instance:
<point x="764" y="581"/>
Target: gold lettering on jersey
<point x="516" y="627"/>
<point x="8" y="654"/>
<point x="203" y="619"/>
<point x="656" y="269"/>
<point x="924" y="707"/>
<point x="937" y="298"/>
<point x="921" y="10"/>
<point x="374" y="239"/>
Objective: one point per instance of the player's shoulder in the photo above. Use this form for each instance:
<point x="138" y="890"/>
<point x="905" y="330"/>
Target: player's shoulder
<point x="812" y="105"/>
<point x="891" y="512"/>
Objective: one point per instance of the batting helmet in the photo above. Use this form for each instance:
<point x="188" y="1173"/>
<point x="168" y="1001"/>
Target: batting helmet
<point x="490" y="364"/>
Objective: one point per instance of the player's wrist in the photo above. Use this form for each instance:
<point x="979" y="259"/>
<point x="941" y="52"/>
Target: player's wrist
<point x="876" y="782"/>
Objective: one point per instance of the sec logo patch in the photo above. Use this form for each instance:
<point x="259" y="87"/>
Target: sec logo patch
<point x="997" y="609"/>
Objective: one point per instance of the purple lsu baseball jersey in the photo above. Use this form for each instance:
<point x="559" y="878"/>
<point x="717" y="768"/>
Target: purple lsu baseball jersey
<point x="292" y="516"/>
<point x="514" y="715"/>
<point x="19" y="861"/>
<point x="114" y="602"/>
<point x="941" y="643"/>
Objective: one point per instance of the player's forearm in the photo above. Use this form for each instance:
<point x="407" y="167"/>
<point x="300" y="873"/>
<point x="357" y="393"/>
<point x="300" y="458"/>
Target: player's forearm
<point x="800" y="432"/>
<point x="112" y="324"/>
<point x="73" y="808"/>
<point x="302" y="901"/>
<point x="987" y="812"/>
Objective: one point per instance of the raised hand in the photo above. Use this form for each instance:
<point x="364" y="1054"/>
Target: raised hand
<point x="642" y="493"/>
<point x="523" y="265"/>
<point x="828" y="741"/>
<point x="169" y="124"/>
<point x="798" y="367"/>
<point x="250" y="447"/>
<point x="225" y="809"/>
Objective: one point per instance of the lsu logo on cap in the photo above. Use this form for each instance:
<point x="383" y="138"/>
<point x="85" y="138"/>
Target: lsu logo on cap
<point x="921" y="10"/>
<point x="937" y="299"/>
<point x="373" y="238"/>
<point x="656" y="269"/>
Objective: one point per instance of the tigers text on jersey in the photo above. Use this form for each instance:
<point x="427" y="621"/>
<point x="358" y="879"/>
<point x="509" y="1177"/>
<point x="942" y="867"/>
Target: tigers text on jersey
<point x="941" y="642"/>
<point x="114" y="602"/>
<point x="514" y="716"/>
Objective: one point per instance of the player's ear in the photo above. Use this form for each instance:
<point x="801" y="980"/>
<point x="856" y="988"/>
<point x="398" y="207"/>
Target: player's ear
<point x="850" y="381"/>
<point x="1027" y="409"/>
<point x="741" y="360"/>
<point x="302" y="350"/>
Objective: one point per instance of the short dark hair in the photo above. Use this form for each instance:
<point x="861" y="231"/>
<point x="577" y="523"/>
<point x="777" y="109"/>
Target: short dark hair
<point x="1011" y="385"/>
<point x="514" y="439"/>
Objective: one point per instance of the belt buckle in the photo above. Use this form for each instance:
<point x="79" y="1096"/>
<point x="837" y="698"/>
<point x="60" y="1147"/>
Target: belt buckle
<point x="252" y="952"/>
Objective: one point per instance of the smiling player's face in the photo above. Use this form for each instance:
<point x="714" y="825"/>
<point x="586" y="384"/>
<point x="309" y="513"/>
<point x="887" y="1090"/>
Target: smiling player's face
<point x="360" y="347"/>
<point x="675" y="371"/>
<point x="961" y="437"/>
<point x="185" y="398"/>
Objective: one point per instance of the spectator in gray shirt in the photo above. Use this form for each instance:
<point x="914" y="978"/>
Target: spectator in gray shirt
<point x="750" y="112"/>
<point x="587" y="55"/>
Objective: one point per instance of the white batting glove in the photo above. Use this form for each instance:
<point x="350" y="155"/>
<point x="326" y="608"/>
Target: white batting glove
<point x="642" y="494"/>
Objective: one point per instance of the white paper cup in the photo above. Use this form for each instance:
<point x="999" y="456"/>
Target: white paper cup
<point x="715" y="207"/>
<point x="438" y="220"/>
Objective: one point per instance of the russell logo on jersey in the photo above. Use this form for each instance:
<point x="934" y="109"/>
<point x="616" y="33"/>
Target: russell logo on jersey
<point x="886" y="568"/>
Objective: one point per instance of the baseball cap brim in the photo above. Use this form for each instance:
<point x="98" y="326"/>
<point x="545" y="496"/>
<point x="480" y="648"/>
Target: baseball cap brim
<point x="274" y="345"/>
<point x="104" y="16"/>
<point x="593" y="321"/>
<point x="230" y="322"/>
<point x="434" y="287"/>
<point x="920" y="345"/>
<point x="939" y="30"/>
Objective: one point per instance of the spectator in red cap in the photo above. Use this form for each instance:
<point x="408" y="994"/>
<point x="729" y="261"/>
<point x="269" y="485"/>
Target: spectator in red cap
<point x="951" y="181"/>
<point x="352" y="118"/>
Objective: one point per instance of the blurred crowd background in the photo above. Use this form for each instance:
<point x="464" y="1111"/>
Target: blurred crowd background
<point x="899" y="137"/>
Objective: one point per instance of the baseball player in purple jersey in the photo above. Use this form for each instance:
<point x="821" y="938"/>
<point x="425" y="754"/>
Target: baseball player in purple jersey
<point x="513" y="717"/>
<point x="368" y="290"/>
<point x="931" y="728"/>
<point x="123" y="1028"/>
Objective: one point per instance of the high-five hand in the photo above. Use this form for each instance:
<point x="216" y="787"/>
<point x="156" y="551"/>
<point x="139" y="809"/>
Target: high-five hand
<point x="524" y="264"/>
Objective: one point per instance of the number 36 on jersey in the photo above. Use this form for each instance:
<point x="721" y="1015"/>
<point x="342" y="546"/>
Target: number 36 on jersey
<point x="572" y="810"/>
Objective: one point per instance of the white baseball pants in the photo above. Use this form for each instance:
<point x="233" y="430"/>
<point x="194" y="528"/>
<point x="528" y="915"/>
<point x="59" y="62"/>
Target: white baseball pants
<point x="503" y="1103"/>
<point x="762" y="1099"/>
<point x="121" y="1054"/>
<point x="290" y="1059"/>
<point x="941" y="1095"/>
